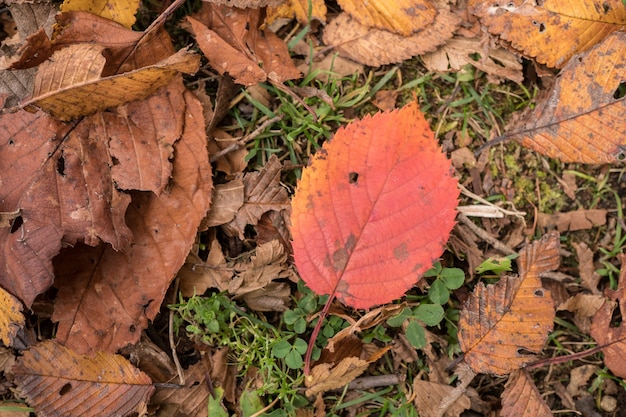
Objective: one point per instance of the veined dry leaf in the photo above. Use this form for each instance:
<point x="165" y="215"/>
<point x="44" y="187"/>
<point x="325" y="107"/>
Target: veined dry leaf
<point x="227" y="200"/>
<point x="58" y="382"/>
<point x="233" y="162"/>
<point x="325" y="377"/>
<point x="430" y="395"/>
<point x="375" y="47"/>
<point x="457" y="52"/>
<point x="190" y="400"/>
<point x="262" y="193"/>
<point x="196" y="276"/>
<point x="107" y="297"/>
<point x="299" y="9"/>
<point x="122" y="12"/>
<point x="403" y="17"/>
<point x="553" y="31"/>
<point x="374" y="209"/>
<point x="581" y="120"/>
<point x="589" y="278"/>
<point x="521" y="398"/>
<point x="11" y="317"/>
<point x="275" y="296"/>
<point x="500" y="320"/>
<point x="69" y="85"/>
<point x="570" y="221"/>
<point x="605" y="334"/>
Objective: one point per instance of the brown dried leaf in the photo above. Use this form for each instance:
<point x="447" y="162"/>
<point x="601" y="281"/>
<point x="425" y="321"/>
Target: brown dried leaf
<point x="579" y="119"/>
<point x="69" y="84"/>
<point x="106" y="297"/>
<point x="375" y="47"/>
<point x="262" y="193"/>
<point x="457" y="52"/>
<point x="121" y="12"/>
<point x="589" y="278"/>
<point x="430" y="395"/>
<point x="11" y="317"/>
<point x="196" y="276"/>
<point x="521" y="398"/>
<point x="553" y="31"/>
<point x="244" y="4"/>
<point x="226" y="202"/>
<point x="403" y="17"/>
<point x="275" y="296"/>
<point x="190" y="400"/>
<point x="325" y="377"/>
<point x="59" y="382"/>
<point x="612" y="338"/>
<point x="572" y="220"/>
<point x="233" y="162"/>
<point x="499" y="321"/>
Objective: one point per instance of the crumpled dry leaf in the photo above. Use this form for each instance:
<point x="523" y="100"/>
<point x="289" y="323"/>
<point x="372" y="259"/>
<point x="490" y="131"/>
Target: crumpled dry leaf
<point x="275" y="296"/>
<point x="190" y="400"/>
<point x="11" y="317"/>
<point x="497" y="63"/>
<point x="584" y="307"/>
<point x="605" y="334"/>
<point x="233" y="162"/>
<point x="122" y="12"/>
<point x="227" y="200"/>
<point x="573" y="220"/>
<point x="325" y="377"/>
<point x="267" y="264"/>
<point x="231" y="40"/>
<point x="521" y="398"/>
<point x="197" y="276"/>
<point x="589" y="278"/>
<point x="262" y="193"/>
<point x="106" y="297"/>
<point x="430" y="395"/>
<point x="375" y="47"/>
<point x="69" y="84"/>
<point x="403" y="17"/>
<point x="58" y="382"/>
<point x="581" y="118"/>
<point x="551" y="31"/>
<point x="500" y="320"/>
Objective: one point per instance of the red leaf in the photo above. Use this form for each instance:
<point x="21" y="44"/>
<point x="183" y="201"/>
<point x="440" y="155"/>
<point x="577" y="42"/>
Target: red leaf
<point x="374" y="209"/>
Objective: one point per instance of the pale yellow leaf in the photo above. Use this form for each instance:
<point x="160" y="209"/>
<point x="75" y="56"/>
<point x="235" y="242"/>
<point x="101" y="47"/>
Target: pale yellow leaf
<point x="120" y="11"/>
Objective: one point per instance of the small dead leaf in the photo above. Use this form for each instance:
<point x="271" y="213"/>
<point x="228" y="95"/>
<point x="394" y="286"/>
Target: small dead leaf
<point x="58" y="382"/>
<point x="226" y="201"/>
<point x="275" y="296"/>
<point x="580" y="119"/>
<point x="121" y="12"/>
<point x="262" y="193"/>
<point x="190" y="400"/>
<point x="11" y="317"/>
<point x="572" y="220"/>
<point x="70" y="84"/>
<point x="375" y="47"/>
<point x="430" y="395"/>
<point x="403" y="17"/>
<point x="521" y="398"/>
<point x="579" y="377"/>
<point x="385" y="100"/>
<point x="500" y="321"/>
<point x="584" y="307"/>
<point x="589" y="278"/>
<point x="605" y="334"/>
<point x="551" y="31"/>
<point x="299" y="9"/>
<point x="233" y="162"/>
<point x="196" y="276"/>
<point x="325" y="377"/>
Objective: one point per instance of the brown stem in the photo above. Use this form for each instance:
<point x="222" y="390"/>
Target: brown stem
<point x="316" y="332"/>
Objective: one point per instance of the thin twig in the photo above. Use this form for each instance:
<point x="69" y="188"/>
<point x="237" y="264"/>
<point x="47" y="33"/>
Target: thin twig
<point x="374" y="381"/>
<point x="244" y="140"/>
<point x="179" y="369"/>
<point x="478" y="198"/>
<point x="481" y="233"/>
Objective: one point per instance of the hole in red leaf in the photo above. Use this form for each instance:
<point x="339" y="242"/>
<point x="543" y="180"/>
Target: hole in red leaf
<point x="353" y="177"/>
<point x="65" y="389"/>
<point x="17" y="223"/>
<point x="61" y="165"/>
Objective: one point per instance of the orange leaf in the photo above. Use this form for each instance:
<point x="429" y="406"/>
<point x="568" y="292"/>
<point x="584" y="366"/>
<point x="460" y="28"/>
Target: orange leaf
<point x="501" y="320"/>
<point x="581" y="119"/>
<point x="553" y="31"/>
<point x="521" y="398"/>
<point x="374" y="209"/>
<point x="58" y="382"/>
<point x="613" y="338"/>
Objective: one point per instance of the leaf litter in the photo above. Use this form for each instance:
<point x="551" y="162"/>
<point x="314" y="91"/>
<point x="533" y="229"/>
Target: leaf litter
<point x="159" y="188"/>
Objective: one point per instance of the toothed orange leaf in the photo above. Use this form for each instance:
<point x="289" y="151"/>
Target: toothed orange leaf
<point x="374" y="209"/>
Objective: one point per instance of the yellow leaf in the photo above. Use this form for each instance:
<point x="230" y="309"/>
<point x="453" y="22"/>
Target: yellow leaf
<point x="11" y="318"/>
<point x="299" y="8"/>
<point x="69" y="84"/>
<point x="122" y="11"/>
<point x="399" y="16"/>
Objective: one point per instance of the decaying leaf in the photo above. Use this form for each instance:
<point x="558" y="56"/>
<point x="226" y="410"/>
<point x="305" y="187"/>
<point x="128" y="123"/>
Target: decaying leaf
<point x="227" y="200"/>
<point x="580" y="119"/>
<point x="11" y="317"/>
<point x="605" y="334"/>
<point x="325" y="377"/>
<point x="403" y="17"/>
<point x="500" y="321"/>
<point x="233" y="162"/>
<point x="551" y="31"/>
<point x="589" y="278"/>
<point x="352" y="238"/>
<point x="58" y="382"/>
<point x="106" y="297"/>
<point x="376" y="47"/>
<point x="299" y="9"/>
<point x="569" y="221"/>
<point x="430" y="395"/>
<point x="122" y="12"/>
<point x="262" y="193"/>
<point x="190" y="400"/>
<point x="521" y="398"/>
<point x="69" y="84"/>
